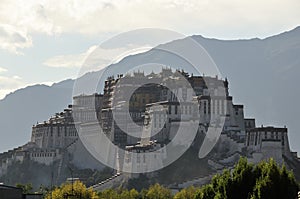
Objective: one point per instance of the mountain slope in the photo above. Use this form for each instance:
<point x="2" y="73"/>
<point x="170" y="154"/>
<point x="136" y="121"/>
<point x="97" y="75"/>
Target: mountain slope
<point x="23" y="108"/>
<point x="263" y="75"/>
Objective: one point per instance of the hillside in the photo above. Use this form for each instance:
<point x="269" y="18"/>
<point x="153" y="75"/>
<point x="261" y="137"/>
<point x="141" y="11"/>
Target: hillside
<point x="263" y="75"/>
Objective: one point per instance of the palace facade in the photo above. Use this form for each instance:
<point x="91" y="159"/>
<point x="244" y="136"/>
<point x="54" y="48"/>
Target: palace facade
<point x="157" y="111"/>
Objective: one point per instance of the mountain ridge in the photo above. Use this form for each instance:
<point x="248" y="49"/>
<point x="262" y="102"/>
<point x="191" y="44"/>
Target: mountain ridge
<point x="256" y="69"/>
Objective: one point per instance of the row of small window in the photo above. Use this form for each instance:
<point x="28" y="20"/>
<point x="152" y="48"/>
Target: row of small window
<point x="70" y="133"/>
<point x="135" y="114"/>
<point x="273" y="135"/>
<point x="85" y="116"/>
<point x="249" y="124"/>
<point x="255" y="137"/>
<point x="184" y="109"/>
<point x="219" y="108"/>
<point x="43" y="155"/>
<point x="138" y="158"/>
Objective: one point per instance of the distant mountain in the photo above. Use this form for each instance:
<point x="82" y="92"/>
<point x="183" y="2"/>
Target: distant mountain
<point x="24" y="107"/>
<point x="263" y="75"/>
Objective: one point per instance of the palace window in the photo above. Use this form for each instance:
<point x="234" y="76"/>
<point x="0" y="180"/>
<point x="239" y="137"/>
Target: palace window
<point x="255" y="138"/>
<point x="272" y="135"/>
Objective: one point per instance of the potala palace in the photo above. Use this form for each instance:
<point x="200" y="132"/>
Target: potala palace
<point x="155" y="111"/>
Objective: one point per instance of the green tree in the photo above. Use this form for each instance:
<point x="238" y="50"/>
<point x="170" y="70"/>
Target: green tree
<point x="158" y="192"/>
<point x="274" y="182"/>
<point x="27" y="188"/>
<point x="77" y="190"/>
<point x="206" y="192"/>
<point x="187" y="193"/>
<point x="132" y="194"/>
<point x="264" y="181"/>
<point x="243" y="179"/>
<point x="143" y="193"/>
<point x="119" y="194"/>
<point x="108" y="193"/>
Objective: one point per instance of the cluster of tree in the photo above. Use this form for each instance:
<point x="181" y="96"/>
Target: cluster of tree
<point x="27" y="188"/>
<point x="72" y="190"/>
<point x="79" y="190"/>
<point x="262" y="181"/>
<point x="155" y="191"/>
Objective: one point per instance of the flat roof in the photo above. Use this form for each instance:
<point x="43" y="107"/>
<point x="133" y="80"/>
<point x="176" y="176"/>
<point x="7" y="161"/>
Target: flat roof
<point x="268" y="128"/>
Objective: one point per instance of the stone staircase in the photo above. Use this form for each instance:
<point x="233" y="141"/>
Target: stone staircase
<point x="111" y="182"/>
<point x="232" y="156"/>
<point x="236" y="138"/>
<point x="198" y="182"/>
<point x="72" y="143"/>
<point x="226" y="162"/>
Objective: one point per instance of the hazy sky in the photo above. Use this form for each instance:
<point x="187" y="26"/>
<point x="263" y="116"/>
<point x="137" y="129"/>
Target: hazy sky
<point x="47" y="42"/>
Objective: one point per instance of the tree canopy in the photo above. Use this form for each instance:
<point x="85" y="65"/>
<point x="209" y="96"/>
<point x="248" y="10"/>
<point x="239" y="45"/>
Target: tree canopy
<point x="263" y="181"/>
<point x="245" y="181"/>
<point x="77" y="190"/>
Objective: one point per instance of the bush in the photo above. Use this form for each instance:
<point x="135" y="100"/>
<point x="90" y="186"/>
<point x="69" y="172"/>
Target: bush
<point x="266" y="180"/>
<point x="77" y="190"/>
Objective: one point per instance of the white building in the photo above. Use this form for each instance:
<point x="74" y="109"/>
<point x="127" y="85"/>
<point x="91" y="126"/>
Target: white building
<point x="268" y="142"/>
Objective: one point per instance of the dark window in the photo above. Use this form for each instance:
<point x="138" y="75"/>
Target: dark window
<point x="255" y="138"/>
